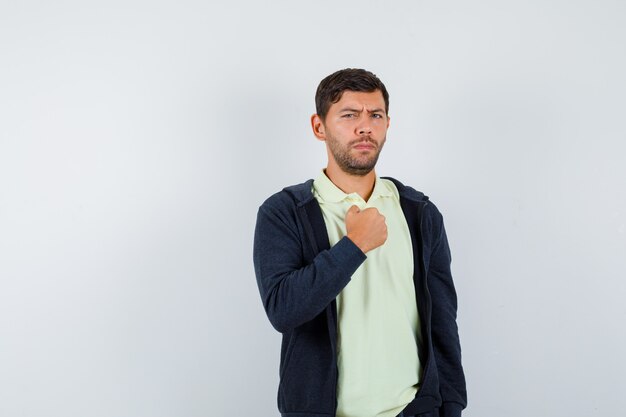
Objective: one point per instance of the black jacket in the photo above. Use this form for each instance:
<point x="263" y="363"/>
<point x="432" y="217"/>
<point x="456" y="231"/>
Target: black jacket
<point x="299" y="276"/>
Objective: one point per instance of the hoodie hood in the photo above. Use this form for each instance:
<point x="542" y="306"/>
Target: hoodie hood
<point x="302" y="193"/>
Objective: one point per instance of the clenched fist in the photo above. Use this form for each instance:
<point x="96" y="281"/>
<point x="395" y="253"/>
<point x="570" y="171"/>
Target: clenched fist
<point x="367" y="228"/>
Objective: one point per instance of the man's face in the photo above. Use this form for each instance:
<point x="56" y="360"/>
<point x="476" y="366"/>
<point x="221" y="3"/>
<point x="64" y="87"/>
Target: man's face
<point x="355" y="130"/>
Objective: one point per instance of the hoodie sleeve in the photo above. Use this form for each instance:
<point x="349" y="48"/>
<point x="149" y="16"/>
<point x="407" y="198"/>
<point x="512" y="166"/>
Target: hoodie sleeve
<point x="447" y="348"/>
<point x="294" y="291"/>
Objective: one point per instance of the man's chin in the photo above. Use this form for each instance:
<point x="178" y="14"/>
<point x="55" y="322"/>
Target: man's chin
<point x="358" y="170"/>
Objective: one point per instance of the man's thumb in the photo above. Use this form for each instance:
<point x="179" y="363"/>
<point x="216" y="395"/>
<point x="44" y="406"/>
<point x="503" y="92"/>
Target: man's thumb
<point x="353" y="210"/>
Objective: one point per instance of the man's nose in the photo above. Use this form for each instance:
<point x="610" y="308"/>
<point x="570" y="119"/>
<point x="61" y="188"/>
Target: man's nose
<point x="364" y="128"/>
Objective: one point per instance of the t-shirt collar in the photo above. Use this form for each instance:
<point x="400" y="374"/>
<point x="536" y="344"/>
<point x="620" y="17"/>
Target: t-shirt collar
<point x="330" y="193"/>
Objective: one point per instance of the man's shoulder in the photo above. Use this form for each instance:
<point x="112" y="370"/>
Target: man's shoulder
<point x="429" y="210"/>
<point x="408" y="192"/>
<point x="297" y="195"/>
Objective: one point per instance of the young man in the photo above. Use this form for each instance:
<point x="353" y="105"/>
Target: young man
<point x="354" y="271"/>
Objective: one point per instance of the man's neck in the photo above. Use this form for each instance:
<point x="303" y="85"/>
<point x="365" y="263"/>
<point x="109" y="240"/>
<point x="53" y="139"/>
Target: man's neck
<point x="362" y="185"/>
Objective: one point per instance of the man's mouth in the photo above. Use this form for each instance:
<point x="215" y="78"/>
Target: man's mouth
<point x="364" y="145"/>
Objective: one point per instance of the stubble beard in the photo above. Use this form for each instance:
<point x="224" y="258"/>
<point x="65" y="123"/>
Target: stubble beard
<point x="359" y="165"/>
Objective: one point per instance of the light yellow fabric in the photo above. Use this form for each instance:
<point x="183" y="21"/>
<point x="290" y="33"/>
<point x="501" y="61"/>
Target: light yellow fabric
<point x="378" y="325"/>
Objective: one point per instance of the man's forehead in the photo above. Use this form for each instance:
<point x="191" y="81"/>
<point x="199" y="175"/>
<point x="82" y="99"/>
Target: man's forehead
<point x="360" y="99"/>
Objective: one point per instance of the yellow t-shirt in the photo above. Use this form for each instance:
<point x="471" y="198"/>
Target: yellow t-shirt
<point x="378" y="325"/>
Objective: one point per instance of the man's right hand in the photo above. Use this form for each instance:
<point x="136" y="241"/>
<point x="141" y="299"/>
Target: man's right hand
<point x="366" y="229"/>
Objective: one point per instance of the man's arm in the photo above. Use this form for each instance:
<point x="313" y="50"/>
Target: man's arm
<point x="447" y="348"/>
<point x="294" y="292"/>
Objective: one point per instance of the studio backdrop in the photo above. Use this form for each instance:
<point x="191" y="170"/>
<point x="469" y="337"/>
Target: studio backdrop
<point x="138" y="139"/>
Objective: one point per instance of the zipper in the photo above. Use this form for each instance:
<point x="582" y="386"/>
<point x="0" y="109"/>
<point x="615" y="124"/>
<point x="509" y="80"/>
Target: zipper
<point x="428" y="301"/>
<point x="330" y="314"/>
<point x="333" y="343"/>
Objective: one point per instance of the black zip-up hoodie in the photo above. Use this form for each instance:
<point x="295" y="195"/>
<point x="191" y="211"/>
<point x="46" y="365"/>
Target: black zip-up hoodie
<point x="299" y="276"/>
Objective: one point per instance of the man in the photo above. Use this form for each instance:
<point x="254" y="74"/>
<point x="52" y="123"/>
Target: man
<point x="354" y="271"/>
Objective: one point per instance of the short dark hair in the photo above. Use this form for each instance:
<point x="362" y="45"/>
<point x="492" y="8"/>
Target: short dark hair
<point x="332" y="87"/>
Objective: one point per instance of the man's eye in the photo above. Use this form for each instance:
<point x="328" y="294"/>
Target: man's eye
<point x="348" y="115"/>
<point x="377" y="116"/>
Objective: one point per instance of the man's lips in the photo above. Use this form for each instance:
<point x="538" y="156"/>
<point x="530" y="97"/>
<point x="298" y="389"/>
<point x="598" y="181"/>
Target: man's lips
<point x="364" y="146"/>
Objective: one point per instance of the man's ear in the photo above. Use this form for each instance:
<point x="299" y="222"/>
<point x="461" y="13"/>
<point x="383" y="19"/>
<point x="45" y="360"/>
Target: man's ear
<point x="318" y="127"/>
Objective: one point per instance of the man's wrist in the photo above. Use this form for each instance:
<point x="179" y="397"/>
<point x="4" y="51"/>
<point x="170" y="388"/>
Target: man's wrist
<point x="357" y="243"/>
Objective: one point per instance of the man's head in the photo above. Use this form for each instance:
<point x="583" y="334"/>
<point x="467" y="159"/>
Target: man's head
<point x="332" y="87"/>
<point x="352" y="107"/>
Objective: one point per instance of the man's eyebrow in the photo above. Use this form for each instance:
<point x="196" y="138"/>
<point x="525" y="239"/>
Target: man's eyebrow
<point x="377" y="110"/>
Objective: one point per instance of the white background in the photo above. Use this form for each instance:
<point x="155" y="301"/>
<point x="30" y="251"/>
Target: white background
<point x="138" y="138"/>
